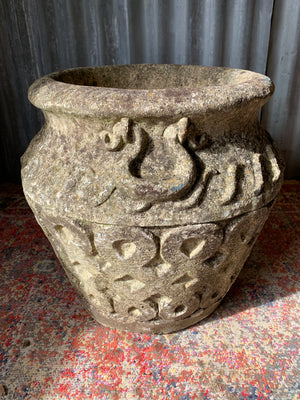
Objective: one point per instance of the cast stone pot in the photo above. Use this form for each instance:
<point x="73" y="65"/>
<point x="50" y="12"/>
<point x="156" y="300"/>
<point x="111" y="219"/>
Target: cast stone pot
<point x="152" y="183"/>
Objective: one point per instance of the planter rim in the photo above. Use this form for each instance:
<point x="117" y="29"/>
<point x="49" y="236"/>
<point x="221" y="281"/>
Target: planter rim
<point x="226" y="89"/>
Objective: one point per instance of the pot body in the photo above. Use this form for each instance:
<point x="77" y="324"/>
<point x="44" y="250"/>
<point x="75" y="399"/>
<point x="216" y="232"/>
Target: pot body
<point x="152" y="197"/>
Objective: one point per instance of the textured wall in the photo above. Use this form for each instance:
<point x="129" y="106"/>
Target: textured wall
<point x="40" y="36"/>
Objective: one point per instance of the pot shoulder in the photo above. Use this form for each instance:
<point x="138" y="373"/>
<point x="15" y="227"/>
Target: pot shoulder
<point x="138" y="173"/>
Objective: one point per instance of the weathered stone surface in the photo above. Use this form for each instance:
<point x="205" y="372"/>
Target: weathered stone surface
<point x="152" y="183"/>
<point x="156" y="279"/>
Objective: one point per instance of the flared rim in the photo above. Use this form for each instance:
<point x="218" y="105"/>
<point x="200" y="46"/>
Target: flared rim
<point x="189" y="89"/>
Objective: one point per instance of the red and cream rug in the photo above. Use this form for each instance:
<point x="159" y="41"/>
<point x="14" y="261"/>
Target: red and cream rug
<point x="50" y="348"/>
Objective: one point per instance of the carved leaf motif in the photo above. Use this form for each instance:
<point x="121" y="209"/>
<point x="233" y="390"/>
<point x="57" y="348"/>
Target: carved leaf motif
<point x="192" y="247"/>
<point x="195" y="243"/>
<point x="124" y="249"/>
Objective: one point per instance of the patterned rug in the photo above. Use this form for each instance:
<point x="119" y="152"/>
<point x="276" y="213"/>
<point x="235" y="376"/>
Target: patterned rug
<point x="50" y="348"/>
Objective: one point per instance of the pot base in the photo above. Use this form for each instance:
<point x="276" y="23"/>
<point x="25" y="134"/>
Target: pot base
<point x="154" y="327"/>
<point x="156" y="279"/>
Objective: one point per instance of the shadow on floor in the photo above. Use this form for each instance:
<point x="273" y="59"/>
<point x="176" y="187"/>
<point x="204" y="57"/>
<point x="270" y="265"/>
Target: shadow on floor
<point x="271" y="271"/>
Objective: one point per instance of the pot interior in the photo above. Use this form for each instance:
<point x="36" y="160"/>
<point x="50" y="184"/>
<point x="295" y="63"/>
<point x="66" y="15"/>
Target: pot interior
<point x="153" y="76"/>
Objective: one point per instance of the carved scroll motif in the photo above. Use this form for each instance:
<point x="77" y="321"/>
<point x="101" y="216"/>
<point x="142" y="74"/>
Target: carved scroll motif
<point x="147" y="172"/>
<point x="183" y="166"/>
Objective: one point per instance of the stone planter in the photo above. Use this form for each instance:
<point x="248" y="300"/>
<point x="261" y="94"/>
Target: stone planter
<point x="152" y="183"/>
